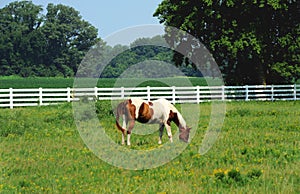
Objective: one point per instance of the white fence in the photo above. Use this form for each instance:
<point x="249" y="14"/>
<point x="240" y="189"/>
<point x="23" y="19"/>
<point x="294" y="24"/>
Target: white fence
<point x="38" y="97"/>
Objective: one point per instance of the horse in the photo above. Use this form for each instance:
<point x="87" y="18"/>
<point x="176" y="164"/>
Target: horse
<point x="159" y="111"/>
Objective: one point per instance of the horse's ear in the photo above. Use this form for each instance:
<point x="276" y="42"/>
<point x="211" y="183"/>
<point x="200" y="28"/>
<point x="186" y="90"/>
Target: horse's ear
<point x="189" y="129"/>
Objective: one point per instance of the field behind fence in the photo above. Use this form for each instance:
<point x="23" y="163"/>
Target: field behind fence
<point x="46" y="96"/>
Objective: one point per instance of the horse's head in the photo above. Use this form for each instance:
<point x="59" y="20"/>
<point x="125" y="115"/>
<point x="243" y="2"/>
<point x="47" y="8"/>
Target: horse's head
<point x="184" y="134"/>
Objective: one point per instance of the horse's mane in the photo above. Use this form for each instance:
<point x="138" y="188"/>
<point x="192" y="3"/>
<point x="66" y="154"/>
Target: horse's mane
<point x="174" y="109"/>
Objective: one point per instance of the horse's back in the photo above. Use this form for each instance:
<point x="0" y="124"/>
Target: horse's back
<point x="167" y="103"/>
<point x="161" y="107"/>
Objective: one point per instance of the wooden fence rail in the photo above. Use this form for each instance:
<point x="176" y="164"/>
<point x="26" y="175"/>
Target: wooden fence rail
<point x="45" y="96"/>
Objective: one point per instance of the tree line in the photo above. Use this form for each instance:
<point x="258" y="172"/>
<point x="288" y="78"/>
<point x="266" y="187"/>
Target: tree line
<point x="55" y="43"/>
<point x="253" y="42"/>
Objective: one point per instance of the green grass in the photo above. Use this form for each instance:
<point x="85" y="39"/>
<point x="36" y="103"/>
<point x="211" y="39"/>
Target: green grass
<point x="59" y="82"/>
<point x="257" y="152"/>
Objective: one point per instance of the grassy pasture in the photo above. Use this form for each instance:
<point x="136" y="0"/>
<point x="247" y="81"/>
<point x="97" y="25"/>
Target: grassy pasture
<point x="257" y="152"/>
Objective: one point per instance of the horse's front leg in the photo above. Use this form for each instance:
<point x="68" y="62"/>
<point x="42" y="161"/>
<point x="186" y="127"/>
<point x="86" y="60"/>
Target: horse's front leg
<point x="130" y="127"/>
<point x="161" y="130"/>
<point x="169" y="131"/>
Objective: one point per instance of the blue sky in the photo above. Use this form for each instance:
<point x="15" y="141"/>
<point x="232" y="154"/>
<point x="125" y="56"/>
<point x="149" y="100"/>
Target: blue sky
<point x="109" y="16"/>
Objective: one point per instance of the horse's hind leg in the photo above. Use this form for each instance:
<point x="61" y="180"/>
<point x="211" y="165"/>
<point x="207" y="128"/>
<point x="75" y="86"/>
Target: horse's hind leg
<point x="130" y="127"/>
<point x="123" y="132"/>
<point x="161" y="130"/>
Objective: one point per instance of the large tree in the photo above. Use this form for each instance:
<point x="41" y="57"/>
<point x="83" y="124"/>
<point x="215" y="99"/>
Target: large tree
<point x="19" y="24"/>
<point x="33" y="44"/>
<point x="253" y="42"/>
<point x="68" y="38"/>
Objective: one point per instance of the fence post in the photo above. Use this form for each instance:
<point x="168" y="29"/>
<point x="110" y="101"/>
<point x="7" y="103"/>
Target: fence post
<point x="148" y="93"/>
<point x="122" y="93"/>
<point x="11" y="98"/>
<point x="198" y="94"/>
<point x="247" y="93"/>
<point x="68" y="94"/>
<point x="173" y="95"/>
<point x="272" y="92"/>
<point x="223" y="93"/>
<point x="295" y="92"/>
<point x="40" y="96"/>
<point x="96" y="93"/>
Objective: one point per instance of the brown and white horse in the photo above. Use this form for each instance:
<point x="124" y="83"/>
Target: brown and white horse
<point x="160" y="112"/>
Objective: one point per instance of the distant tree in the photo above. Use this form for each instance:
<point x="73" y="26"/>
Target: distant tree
<point x="141" y="50"/>
<point x="253" y="42"/>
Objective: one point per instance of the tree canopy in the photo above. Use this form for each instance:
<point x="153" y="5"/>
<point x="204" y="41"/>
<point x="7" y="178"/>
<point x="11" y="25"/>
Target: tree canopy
<point x="253" y="42"/>
<point x="34" y="44"/>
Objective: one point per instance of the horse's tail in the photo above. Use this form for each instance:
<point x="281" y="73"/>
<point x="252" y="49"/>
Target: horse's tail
<point x="120" y="111"/>
<point x="119" y="127"/>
